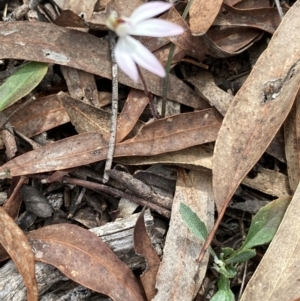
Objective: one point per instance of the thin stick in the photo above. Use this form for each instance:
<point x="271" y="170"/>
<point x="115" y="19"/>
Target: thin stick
<point x="148" y="94"/>
<point x="117" y="193"/>
<point x="279" y="8"/>
<point x="114" y="107"/>
<point x="211" y="234"/>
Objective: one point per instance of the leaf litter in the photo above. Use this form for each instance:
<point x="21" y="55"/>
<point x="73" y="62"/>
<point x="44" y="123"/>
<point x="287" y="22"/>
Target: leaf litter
<point x="67" y="117"/>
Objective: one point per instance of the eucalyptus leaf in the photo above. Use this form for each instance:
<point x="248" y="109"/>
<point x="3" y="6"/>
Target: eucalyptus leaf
<point x="240" y="256"/>
<point x="265" y="223"/>
<point x="21" y="83"/>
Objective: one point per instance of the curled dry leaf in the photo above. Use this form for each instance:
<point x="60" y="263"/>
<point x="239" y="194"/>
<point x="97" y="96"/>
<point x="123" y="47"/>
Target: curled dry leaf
<point x="258" y="109"/>
<point x="266" y="18"/>
<point x="143" y="246"/>
<point x="84" y="258"/>
<point x="15" y="243"/>
<point x="164" y="135"/>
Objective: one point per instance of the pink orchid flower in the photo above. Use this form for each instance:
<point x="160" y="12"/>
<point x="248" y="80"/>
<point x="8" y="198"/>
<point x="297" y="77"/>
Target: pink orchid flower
<point x="129" y="51"/>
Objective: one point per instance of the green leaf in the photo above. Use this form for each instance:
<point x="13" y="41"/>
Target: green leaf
<point x="21" y="83"/>
<point x="265" y="223"/>
<point x="240" y="256"/>
<point x="226" y="252"/>
<point x="194" y="223"/>
<point x="224" y="293"/>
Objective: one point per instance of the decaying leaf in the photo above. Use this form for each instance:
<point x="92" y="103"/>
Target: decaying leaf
<point x="292" y="144"/>
<point x="266" y="18"/>
<point x="179" y="273"/>
<point x="57" y="45"/>
<point x="135" y="104"/>
<point x="258" y="110"/>
<point x="38" y="116"/>
<point x="85" y="117"/>
<point x="15" y="243"/>
<point x="202" y="15"/>
<point x="143" y="246"/>
<point x="164" y="135"/>
<point x="84" y="258"/>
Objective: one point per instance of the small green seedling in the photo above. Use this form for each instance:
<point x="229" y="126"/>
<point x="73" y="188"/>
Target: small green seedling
<point x="262" y="230"/>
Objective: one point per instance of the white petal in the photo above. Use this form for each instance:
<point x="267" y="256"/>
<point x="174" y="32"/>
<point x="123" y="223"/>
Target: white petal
<point x="149" y="10"/>
<point x="156" y="28"/>
<point x="143" y="57"/>
<point x="124" y="59"/>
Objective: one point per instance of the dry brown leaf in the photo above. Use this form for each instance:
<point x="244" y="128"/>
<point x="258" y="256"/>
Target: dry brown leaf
<point x="180" y="275"/>
<point x="198" y="157"/>
<point x="57" y="45"/>
<point x="134" y="106"/>
<point x="205" y="86"/>
<point x="164" y="135"/>
<point x="202" y="15"/>
<point x="266" y="19"/>
<point x="86" y="118"/>
<point x="86" y="259"/>
<point x="38" y="116"/>
<point x="143" y="246"/>
<point x="15" y="243"/>
<point x="277" y="276"/>
<point x="81" y="85"/>
<point x="224" y="42"/>
<point x="12" y="206"/>
<point x="292" y="144"/>
<point x="84" y="8"/>
<point x="249" y="3"/>
<point x="258" y="109"/>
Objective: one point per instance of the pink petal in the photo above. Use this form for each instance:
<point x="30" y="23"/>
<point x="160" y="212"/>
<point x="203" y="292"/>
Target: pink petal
<point x="124" y="59"/>
<point x="149" y="10"/>
<point x="143" y="57"/>
<point x="156" y="28"/>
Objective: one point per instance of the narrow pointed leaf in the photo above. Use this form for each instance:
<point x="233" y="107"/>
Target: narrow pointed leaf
<point x="16" y="244"/>
<point x="164" y="135"/>
<point x="258" y="109"/>
<point x="84" y="258"/>
<point x="265" y="223"/>
<point x="80" y="50"/>
<point x="21" y="83"/>
<point x="194" y="223"/>
<point x="241" y="256"/>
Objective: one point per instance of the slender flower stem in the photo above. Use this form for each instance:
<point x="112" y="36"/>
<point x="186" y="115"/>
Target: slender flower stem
<point x="148" y="94"/>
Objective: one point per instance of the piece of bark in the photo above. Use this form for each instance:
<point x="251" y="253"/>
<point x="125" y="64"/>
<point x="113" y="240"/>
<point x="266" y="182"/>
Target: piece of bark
<point x="119" y="237"/>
